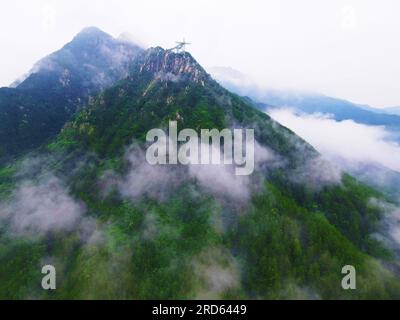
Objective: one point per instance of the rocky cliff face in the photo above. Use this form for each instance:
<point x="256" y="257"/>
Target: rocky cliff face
<point x="171" y="66"/>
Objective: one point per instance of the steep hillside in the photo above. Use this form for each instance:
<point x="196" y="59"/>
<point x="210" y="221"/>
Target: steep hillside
<point x="37" y="108"/>
<point x="116" y="227"/>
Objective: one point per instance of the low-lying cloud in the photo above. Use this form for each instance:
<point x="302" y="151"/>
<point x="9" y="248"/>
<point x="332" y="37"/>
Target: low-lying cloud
<point x="390" y="231"/>
<point x="42" y="207"/>
<point x="41" y="203"/>
<point x="343" y="141"/>
<point x="218" y="271"/>
<point x="221" y="179"/>
<point x="143" y="179"/>
<point x="159" y="181"/>
<point x="317" y="172"/>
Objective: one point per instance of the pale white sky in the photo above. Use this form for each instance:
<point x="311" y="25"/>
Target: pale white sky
<point x="344" y="48"/>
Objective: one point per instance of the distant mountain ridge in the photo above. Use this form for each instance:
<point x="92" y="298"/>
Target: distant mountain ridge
<point x="306" y="102"/>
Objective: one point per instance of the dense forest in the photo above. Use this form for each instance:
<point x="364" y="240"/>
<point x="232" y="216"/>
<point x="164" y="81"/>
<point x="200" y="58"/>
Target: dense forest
<point x="140" y="232"/>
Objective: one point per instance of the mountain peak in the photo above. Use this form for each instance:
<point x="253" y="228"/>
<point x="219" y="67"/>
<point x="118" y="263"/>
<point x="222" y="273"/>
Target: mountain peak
<point x="161" y="62"/>
<point x="92" y="32"/>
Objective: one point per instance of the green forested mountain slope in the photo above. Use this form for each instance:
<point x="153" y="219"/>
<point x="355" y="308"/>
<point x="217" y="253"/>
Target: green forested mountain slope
<point x="37" y="108"/>
<point x="141" y="232"/>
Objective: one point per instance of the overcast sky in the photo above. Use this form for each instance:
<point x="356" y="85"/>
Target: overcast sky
<point x="344" y="48"/>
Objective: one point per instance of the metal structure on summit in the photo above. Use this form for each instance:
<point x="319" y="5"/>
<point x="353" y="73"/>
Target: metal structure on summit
<point x="181" y="46"/>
